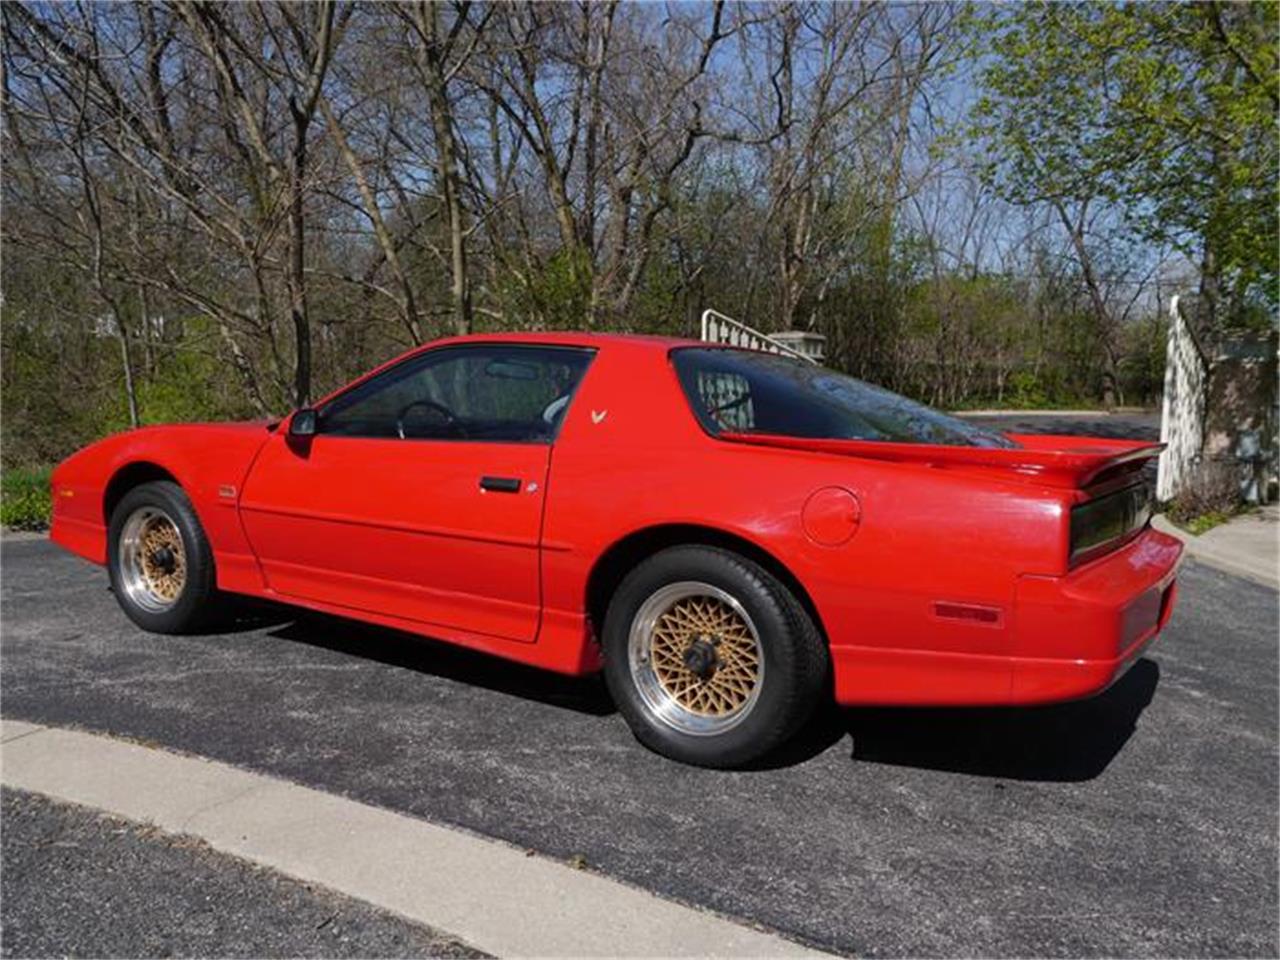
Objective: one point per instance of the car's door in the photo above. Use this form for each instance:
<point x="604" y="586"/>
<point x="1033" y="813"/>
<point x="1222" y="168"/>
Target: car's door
<point x="420" y="494"/>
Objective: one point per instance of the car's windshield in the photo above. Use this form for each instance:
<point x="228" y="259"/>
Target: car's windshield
<point x="741" y="391"/>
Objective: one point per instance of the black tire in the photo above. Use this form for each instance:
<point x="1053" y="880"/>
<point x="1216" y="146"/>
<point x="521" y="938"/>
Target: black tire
<point x="795" y="660"/>
<point x="191" y="607"/>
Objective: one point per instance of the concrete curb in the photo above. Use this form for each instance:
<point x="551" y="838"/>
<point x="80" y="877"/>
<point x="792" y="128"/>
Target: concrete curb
<point x="1206" y="553"/>
<point x="19" y="535"/>
<point x="500" y="899"/>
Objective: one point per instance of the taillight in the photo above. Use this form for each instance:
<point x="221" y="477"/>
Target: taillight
<point x="1103" y="524"/>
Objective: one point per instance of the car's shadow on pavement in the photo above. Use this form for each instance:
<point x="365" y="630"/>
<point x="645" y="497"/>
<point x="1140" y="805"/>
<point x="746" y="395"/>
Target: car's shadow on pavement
<point x="440" y="659"/>
<point x="1062" y="742"/>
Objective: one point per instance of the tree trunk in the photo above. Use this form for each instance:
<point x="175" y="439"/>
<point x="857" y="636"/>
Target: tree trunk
<point x="1111" y="392"/>
<point x="145" y="325"/>
<point x="446" y="165"/>
<point x="126" y="360"/>
<point x="408" y="302"/>
<point x="297" y="282"/>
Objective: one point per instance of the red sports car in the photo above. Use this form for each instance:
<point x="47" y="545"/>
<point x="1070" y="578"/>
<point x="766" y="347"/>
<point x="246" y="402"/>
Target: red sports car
<point x="732" y="536"/>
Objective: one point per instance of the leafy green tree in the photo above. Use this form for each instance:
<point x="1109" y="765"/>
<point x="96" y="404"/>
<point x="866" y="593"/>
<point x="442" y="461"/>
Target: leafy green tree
<point x="1168" y="110"/>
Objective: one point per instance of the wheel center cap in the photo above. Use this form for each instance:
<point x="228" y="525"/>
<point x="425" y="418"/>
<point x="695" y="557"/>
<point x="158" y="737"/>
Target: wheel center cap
<point x="700" y="658"/>
<point x="164" y="559"/>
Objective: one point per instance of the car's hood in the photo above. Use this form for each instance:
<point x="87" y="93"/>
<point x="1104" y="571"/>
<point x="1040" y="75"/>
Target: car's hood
<point x="219" y="426"/>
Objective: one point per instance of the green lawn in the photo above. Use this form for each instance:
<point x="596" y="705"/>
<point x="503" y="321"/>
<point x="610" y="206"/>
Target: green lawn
<point x="24" y="498"/>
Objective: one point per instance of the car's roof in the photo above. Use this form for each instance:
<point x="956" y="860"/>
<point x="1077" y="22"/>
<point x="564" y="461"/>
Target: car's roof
<point x="577" y="339"/>
<point x="640" y="343"/>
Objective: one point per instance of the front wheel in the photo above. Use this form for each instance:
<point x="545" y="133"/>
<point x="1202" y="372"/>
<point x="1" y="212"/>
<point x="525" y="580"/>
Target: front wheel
<point x="159" y="560"/>
<point x="710" y="658"/>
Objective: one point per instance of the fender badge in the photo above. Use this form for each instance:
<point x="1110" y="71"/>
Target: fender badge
<point x="597" y="416"/>
<point x="227" y="490"/>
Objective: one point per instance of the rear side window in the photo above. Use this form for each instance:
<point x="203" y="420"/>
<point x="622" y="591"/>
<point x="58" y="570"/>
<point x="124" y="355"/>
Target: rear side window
<point x="494" y="392"/>
<point x="728" y="395"/>
<point x="741" y="391"/>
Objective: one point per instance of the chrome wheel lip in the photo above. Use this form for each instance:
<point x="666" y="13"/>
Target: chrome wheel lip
<point x="135" y="580"/>
<point x="659" y="703"/>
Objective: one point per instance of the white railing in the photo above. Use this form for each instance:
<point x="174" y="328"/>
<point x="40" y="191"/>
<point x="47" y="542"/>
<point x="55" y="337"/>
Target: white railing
<point x="1182" y="416"/>
<point x="719" y="328"/>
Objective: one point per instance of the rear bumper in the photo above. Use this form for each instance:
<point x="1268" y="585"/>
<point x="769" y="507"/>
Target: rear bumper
<point x="1069" y="637"/>
<point x="1076" y="635"/>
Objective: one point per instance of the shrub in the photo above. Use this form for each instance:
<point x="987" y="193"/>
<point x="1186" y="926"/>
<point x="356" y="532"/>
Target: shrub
<point x="1212" y="497"/>
<point x="24" y="499"/>
<point x="1026" y="392"/>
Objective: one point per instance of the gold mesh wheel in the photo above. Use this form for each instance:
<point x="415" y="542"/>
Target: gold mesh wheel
<point x="696" y="658"/>
<point x="153" y="559"/>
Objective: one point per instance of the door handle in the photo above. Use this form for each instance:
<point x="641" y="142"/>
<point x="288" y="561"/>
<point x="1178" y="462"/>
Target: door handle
<point x="500" y="484"/>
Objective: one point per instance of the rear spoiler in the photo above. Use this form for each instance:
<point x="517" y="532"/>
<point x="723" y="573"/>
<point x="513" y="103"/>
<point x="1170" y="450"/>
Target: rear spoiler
<point x="1071" y="463"/>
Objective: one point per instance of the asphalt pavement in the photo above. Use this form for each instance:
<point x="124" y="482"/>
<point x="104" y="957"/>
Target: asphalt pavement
<point x="1139" y="823"/>
<point x="1135" y="425"/>
<point x="80" y="884"/>
<point x="1142" y="822"/>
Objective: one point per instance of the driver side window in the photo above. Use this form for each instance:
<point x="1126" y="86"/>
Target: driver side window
<point x="493" y="392"/>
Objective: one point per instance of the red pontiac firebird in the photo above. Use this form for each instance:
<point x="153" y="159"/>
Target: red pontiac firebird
<point x="732" y="536"/>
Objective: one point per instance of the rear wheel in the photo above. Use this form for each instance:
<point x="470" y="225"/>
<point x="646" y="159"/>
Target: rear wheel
<point x="711" y="659"/>
<point x="159" y="560"/>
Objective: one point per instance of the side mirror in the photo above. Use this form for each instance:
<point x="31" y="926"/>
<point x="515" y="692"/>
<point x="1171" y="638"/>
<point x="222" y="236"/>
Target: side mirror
<point x="303" y="423"/>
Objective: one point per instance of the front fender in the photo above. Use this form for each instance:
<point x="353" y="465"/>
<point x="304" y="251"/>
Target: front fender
<point x="209" y="461"/>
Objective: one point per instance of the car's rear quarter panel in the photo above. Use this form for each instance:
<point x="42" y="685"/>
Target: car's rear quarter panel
<point x="631" y="456"/>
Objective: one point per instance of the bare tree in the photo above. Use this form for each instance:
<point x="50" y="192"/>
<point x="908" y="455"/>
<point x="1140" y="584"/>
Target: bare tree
<point x="216" y="210"/>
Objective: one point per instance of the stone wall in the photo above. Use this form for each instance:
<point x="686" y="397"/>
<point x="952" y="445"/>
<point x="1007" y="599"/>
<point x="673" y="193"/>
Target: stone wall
<point x="1241" y="425"/>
